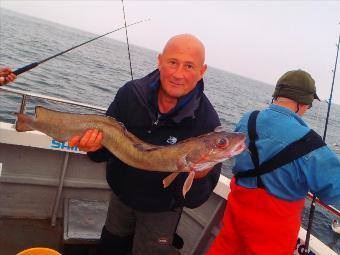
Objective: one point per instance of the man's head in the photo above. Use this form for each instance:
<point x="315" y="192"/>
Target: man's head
<point x="298" y="86"/>
<point x="181" y="65"/>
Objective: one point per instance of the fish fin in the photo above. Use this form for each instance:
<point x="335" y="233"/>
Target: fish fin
<point x="169" y="179"/>
<point x="21" y="123"/>
<point x="188" y="182"/>
<point x="137" y="143"/>
<point x="145" y="147"/>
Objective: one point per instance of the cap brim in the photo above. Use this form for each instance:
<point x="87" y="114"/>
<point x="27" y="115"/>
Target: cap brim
<point x="316" y="97"/>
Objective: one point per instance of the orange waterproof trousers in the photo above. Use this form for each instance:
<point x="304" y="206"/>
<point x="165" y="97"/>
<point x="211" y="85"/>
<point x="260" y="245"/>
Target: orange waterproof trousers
<point x="256" y="222"/>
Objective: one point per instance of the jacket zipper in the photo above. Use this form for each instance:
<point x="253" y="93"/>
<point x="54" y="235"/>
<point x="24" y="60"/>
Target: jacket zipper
<point x="154" y="125"/>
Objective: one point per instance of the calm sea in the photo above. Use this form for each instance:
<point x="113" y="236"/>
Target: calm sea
<point x="93" y="73"/>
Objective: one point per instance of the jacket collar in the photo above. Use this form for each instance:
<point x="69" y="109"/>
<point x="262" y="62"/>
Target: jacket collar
<point x="147" y="88"/>
<point x="288" y="112"/>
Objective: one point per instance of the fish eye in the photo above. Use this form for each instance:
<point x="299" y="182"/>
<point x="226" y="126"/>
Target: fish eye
<point x="222" y="143"/>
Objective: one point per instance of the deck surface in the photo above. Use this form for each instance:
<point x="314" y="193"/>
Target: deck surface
<point x="20" y="234"/>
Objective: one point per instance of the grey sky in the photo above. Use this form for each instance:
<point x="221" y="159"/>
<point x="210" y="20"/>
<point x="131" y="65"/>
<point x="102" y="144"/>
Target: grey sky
<point x="256" y="39"/>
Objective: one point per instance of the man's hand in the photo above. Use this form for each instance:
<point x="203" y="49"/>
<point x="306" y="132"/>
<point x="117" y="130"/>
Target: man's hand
<point x="6" y="75"/>
<point x="90" y="141"/>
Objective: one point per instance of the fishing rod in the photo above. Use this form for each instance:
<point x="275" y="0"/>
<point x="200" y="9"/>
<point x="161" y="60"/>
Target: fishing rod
<point x="35" y="64"/>
<point x="127" y="41"/>
<point x="312" y="207"/>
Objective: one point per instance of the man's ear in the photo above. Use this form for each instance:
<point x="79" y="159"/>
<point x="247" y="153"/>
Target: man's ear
<point x="203" y="69"/>
<point x="159" y="59"/>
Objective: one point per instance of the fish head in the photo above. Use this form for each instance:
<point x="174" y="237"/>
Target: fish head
<point x="217" y="147"/>
<point x="222" y="145"/>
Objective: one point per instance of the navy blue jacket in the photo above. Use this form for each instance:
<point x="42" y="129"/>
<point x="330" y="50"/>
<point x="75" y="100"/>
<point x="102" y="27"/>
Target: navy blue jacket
<point x="135" y="105"/>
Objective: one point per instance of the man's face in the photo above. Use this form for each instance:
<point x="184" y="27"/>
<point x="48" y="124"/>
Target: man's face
<point x="181" y="66"/>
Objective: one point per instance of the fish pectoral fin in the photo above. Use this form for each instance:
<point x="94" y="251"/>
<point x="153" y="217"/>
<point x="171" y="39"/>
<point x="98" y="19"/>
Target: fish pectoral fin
<point x="182" y="165"/>
<point x="143" y="147"/>
<point x="169" y="179"/>
<point x="188" y="182"/>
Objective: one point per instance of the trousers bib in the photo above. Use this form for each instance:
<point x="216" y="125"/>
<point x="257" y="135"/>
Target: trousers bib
<point x="256" y="222"/>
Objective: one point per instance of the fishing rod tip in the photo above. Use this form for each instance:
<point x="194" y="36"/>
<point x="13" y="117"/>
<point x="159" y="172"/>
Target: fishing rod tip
<point x="144" y="20"/>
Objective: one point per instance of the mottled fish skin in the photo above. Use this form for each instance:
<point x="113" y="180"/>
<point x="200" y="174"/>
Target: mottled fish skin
<point x="193" y="154"/>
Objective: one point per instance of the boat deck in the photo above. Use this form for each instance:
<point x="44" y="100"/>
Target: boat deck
<point x="80" y="236"/>
<point x="19" y="234"/>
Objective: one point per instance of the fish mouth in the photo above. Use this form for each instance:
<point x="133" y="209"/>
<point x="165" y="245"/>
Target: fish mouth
<point x="238" y="148"/>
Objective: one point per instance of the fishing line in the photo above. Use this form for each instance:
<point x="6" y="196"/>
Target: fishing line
<point x="127" y="41"/>
<point x="35" y="64"/>
<point x="312" y="207"/>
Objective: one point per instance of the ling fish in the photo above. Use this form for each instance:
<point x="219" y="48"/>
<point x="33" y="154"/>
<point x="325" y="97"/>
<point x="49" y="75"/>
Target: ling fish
<point x="191" y="155"/>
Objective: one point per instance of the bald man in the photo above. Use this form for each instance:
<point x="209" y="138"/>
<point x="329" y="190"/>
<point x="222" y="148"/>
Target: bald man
<point x="162" y="108"/>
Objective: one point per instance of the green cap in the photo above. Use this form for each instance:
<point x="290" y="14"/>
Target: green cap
<point x="297" y="85"/>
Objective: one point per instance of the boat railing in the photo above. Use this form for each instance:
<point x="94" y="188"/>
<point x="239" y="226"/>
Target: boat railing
<point x="26" y="94"/>
<point x="329" y="208"/>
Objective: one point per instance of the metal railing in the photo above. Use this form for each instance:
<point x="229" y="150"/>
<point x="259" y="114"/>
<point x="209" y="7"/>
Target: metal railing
<point x="329" y="208"/>
<point x="26" y="94"/>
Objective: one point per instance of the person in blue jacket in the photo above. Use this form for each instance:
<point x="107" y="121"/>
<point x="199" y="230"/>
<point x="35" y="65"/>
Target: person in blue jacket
<point x="287" y="160"/>
<point x="164" y="107"/>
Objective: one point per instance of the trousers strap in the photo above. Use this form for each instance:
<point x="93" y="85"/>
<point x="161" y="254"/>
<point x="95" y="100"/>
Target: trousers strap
<point x="308" y="143"/>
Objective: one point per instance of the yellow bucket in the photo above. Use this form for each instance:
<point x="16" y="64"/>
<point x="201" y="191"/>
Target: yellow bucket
<point x="39" y="251"/>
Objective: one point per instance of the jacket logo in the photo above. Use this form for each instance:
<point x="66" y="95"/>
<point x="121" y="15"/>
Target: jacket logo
<point x="171" y="140"/>
<point x="163" y="240"/>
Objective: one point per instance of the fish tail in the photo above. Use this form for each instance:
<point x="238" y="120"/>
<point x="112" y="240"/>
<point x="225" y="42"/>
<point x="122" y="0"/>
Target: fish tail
<point x="21" y="123"/>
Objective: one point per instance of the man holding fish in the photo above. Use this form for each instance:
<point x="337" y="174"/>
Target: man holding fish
<point x="166" y="106"/>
